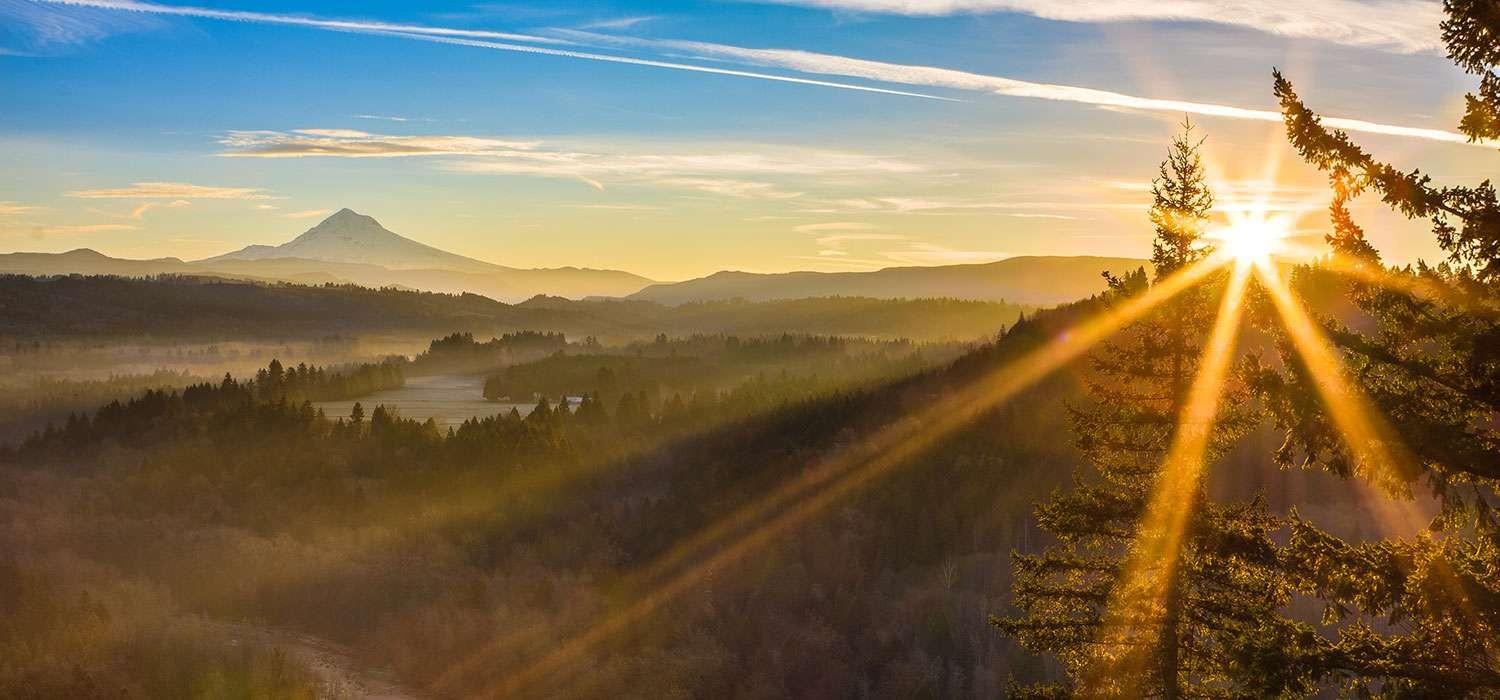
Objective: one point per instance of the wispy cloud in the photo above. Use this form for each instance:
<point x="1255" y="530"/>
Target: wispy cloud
<point x="13" y="208"/>
<point x="1296" y="13"/>
<point x="343" y="25"/>
<point x="930" y="76"/>
<point x="620" y="23"/>
<point x="834" y="226"/>
<point x="841" y="240"/>
<point x="460" y="37"/>
<point x="1400" y="25"/>
<point x="90" y="228"/>
<point x="351" y="143"/>
<point x="41" y="28"/>
<point x="65" y="230"/>
<point x="392" y="118"/>
<point x="877" y="250"/>
<point x="618" y="207"/>
<point x="725" y="187"/>
<point x="1059" y="217"/>
<point x="650" y="63"/>
<point x="921" y="205"/>
<point x="171" y="190"/>
<point x="140" y="211"/>
<point x="733" y="170"/>
<point x="917" y="253"/>
<point x="305" y="214"/>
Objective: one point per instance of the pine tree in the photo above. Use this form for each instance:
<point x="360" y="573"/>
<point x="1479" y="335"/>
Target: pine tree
<point x="1217" y="588"/>
<point x="1417" y="616"/>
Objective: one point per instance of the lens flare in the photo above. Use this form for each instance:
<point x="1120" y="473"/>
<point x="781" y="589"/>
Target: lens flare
<point x="1255" y="236"/>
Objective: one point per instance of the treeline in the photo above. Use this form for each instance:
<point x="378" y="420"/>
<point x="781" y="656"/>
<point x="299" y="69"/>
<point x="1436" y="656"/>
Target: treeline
<point x="701" y="363"/>
<point x="28" y="406"/>
<point x="303" y="383"/>
<point x="460" y="352"/>
<point x="189" y="307"/>
<point x="276" y="396"/>
<point x="207" y="308"/>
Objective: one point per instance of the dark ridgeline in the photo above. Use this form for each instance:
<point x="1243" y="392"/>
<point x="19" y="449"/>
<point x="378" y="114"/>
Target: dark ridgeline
<point x="213" y="308"/>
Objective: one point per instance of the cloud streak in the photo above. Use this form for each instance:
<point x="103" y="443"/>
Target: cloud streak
<point x="459" y="37"/>
<point x="650" y="63"/>
<point x="171" y="190"/>
<point x="139" y="212"/>
<point x="931" y="76"/>
<point x="65" y="230"/>
<point x="47" y="28"/>
<point x="835" y="226"/>
<point x="722" y="169"/>
<point x="820" y="64"/>
<point x="889" y="248"/>
<point x="13" y="208"/>
<point x="341" y="25"/>
<point x="350" y="143"/>
<point x="1407" y="26"/>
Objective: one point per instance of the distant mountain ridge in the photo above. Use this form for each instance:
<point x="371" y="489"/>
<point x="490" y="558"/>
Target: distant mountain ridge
<point x="1040" y="280"/>
<point x="348" y="247"/>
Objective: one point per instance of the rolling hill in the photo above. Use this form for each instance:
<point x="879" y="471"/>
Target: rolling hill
<point x="1042" y="280"/>
<point x="212" y="308"/>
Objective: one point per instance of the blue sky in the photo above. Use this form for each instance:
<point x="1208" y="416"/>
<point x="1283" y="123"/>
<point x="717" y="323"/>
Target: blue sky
<point x="851" y="134"/>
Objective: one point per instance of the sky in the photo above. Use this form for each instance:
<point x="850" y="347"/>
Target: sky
<point x="674" y="139"/>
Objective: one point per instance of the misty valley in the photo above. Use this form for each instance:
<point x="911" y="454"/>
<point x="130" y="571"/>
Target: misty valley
<point x="824" y="349"/>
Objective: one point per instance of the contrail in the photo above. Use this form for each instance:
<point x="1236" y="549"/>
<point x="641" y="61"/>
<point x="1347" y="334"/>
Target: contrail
<point x="298" y="20"/>
<point x="806" y="62"/>
<point x="931" y="76"/>
<point x="461" y="37"/>
<point x="568" y="53"/>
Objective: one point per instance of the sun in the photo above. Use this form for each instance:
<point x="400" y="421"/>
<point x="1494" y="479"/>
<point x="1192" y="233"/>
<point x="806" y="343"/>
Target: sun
<point x="1253" y="237"/>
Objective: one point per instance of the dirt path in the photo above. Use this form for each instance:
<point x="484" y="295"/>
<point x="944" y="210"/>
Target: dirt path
<point x="339" y="674"/>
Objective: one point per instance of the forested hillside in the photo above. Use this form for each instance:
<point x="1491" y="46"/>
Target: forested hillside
<point x="399" y="540"/>
<point x="277" y="509"/>
<point x="206" y="308"/>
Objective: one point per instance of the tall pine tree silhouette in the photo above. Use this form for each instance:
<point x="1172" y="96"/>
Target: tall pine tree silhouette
<point x="1182" y="642"/>
<point x="1417" y="616"/>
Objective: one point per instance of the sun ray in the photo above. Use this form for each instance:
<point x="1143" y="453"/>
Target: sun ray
<point x="1380" y="455"/>
<point x="1377" y="451"/>
<point x="1154" y="556"/>
<point x="752" y="526"/>
<point x="1421" y="288"/>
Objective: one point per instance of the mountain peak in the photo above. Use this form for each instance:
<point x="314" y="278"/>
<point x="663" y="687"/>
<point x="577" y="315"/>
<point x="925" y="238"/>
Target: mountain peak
<point x="348" y="236"/>
<point x="347" y="222"/>
<point x="347" y="214"/>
